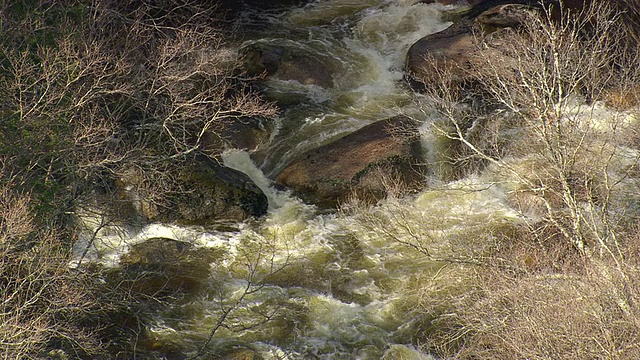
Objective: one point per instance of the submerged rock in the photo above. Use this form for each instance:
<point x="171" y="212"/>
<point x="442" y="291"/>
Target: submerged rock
<point x="162" y="266"/>
<point x="284" y="64"/>
<point x="305" y="70"/>
<point x="359" y="162"/>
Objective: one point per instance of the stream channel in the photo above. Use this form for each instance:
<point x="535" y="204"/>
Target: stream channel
<point x="300" y="283"/>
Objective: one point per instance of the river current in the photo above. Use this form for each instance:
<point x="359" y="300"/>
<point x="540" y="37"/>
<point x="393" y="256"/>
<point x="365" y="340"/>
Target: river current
<point x="304" y="284"/>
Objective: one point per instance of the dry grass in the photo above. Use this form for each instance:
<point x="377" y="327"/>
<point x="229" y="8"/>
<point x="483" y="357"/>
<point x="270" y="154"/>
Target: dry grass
<point x="536" y="299"/>
<point x="569" y="308"/>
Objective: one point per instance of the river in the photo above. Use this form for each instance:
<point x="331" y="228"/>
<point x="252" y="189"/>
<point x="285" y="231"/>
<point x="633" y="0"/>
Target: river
<point x="301" y="283"/>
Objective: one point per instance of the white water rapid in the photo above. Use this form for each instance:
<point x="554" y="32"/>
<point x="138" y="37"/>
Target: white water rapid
<point x="363" y="44"/>
<point x="300" y="284"/>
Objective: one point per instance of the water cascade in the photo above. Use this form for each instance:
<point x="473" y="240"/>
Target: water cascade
<point x="299" y="283"/>
<point x="363" y="45"/>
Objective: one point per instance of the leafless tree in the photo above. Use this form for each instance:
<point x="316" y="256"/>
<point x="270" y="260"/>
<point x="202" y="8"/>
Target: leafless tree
<point x="548" y="80"/>
<point x="549" y="120"/>
<point x="90" y="92"/>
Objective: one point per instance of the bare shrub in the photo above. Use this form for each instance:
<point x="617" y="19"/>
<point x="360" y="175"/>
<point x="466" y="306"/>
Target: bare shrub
<point x="109" y="90"/>
<point x="45" y="307"/>
<point x="547" y="77"/>
<point x="88" y="91"/>
<point x="583" y="310"/>
<point x="565" y="284"/>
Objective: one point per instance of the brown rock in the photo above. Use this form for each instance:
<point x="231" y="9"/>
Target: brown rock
<point x="284" y="64"/>
<point x="305" y="70"/>
<point x="357" y="162"/>
<point x="455" y="48"/>
<point x="502" y="16"/>
<point x="450" y="49"/>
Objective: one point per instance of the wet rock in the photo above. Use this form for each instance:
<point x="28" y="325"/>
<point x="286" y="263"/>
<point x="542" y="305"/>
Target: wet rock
<point x="285" y="65"/>
<point x="247" y="133"/>
<point x="203" y="193"/>
<point x="305" y="70"/>
<point x="244" y="133"/>
<point x="358" y="163"/>
<point x="262" y="59"/>
<point x="218" y="193"/>
<point x="451" y="49"/>
<point x="455" y="48"/>
<point x="162" y="267"/>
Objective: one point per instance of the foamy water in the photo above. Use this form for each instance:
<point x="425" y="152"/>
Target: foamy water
<point x="337" y="285"/>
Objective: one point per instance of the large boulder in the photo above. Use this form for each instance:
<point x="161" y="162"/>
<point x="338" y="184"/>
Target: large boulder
<point x="359" y="162"/>
<point x="455" y="49"/>
<point x="201" y="192"/>
<point x="218" y="193"/>
<point x="448" y="50"/>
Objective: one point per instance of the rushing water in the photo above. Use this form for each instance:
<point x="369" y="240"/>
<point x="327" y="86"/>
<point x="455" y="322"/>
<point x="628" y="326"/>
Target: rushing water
<point x="363" y="44"/>
<point x="303" y="284"/>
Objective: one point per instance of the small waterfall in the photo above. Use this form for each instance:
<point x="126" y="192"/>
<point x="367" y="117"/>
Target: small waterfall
<point x="240" y="160"/>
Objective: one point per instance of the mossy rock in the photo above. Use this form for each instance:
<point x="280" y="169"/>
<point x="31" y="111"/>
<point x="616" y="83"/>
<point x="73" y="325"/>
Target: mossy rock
<point x="218" y="192"/>
<point x="203" y="192"/>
